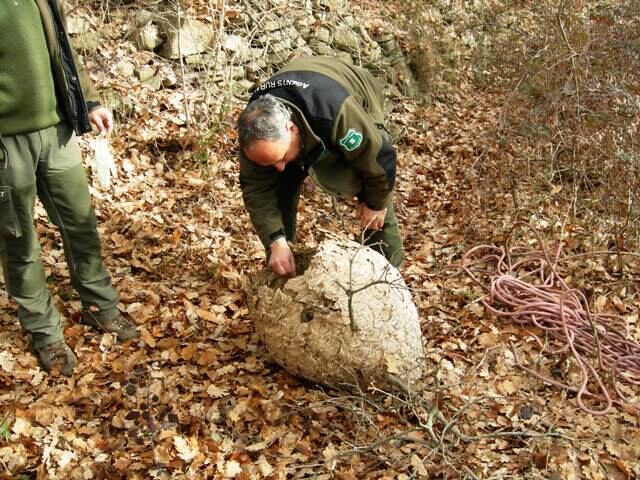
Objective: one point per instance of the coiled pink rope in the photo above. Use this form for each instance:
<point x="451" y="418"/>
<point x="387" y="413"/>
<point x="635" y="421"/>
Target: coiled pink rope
<point x="529" y="291"/>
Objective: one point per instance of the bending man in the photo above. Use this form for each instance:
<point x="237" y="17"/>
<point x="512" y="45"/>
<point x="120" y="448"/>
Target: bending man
<point x="320" y="117"/>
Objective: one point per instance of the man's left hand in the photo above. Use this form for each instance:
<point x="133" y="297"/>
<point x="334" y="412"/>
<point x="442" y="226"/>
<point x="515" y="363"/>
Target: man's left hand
<point x="370" y="219"/>
<point x="101" y="118"/>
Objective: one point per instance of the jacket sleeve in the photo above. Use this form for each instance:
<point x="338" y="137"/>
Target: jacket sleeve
<point x="356" y="136"/>
<point x="92" y="99"/>
<point x="259" y="187"/>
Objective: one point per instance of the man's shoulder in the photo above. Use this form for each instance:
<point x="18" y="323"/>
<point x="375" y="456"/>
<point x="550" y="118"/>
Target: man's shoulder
<point x="312" y="62"/>
<point x="317" y="94"/>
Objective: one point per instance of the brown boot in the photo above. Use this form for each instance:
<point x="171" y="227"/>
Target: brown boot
<point x="123" y="328"/>
<point x="57" y="355"/>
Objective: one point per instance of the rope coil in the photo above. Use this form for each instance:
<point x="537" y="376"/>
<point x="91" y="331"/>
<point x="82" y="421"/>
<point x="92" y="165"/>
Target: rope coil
<point x="604" y="354"/>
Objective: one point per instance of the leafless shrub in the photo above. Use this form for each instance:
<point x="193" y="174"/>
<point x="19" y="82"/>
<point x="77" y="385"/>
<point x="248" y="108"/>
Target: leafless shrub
<point x="572" y="74"/>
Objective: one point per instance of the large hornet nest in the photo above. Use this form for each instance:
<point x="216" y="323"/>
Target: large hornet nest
<point x="347" y="318"/>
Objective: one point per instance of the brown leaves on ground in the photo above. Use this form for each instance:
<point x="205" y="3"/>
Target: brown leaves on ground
<point x="196" y="397"/>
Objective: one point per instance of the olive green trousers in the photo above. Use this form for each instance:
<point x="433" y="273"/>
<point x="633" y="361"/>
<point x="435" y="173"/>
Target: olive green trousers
<point x="47" y="163"/>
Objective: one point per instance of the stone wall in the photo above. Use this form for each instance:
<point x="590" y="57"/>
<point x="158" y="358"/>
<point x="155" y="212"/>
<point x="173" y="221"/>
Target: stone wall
<point x="228" y="46"/>
<point x="246" y="41"/>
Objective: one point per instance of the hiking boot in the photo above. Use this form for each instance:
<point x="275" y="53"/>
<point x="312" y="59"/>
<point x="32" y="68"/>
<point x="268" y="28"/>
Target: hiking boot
<point x="57" y="355"/>
<point x="123" y="328"/>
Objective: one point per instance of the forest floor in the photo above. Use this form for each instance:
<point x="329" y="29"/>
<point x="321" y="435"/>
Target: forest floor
<point x="196" y="396"/>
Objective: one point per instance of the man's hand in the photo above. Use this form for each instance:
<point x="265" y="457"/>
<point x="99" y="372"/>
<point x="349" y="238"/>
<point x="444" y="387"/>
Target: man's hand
<point x="370" y="219"/>
<point x="101" y="118"/>
<point x="281" y="261"/>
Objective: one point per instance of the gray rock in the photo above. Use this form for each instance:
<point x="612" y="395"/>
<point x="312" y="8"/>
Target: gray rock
<point x="303" y="26"/>
<point x="76" y="24"/>
<point x="373" y="53"/>
<point x="237" y="49"/>
<point x="304" y="51"/>
<point x="323" y="35"/>
<point x="236" y="72"/>
<point x="126" y="69"/>
<point x="280" y="47"/>
<point x="191" y="37"/>
<point x="146" y="72"/>
<point x="256" y="66"/>
<point x="271" y="26"/>
<point x="291" y="33"/>
<point x="169" y="77"/>
<point x="336" y="6"/>
<point x="321" y="48"/>
<point x="143" y="17"/>
<point x="245" y="85"/>
<point x="148" y="37"/>
<point x="277" y="59"/>
<point x="264" y="40"/>
<point x="346" y="39"/>
<point x="154" y="82"/>
<point x="204" y="61"/>
<point x="89" y="41"/>
<point x="256" y="54"/>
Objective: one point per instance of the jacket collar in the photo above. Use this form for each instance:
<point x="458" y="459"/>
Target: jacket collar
<point x="313" y="145"/>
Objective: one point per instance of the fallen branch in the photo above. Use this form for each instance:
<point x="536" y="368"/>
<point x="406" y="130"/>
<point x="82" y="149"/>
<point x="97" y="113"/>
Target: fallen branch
<point x="438" y="442"/>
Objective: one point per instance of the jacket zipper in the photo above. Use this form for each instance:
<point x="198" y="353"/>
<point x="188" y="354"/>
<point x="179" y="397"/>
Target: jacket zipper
<point x="80" y="118"/>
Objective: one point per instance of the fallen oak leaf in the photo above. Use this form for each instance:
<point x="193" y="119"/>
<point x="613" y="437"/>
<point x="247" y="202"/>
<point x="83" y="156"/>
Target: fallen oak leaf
<point x="232" y="469"/>
<point x="187" y="448"/>
<point x="147" y="337"/>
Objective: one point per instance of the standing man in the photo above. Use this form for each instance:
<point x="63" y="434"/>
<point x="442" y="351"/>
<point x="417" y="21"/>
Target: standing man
<point x="321" y="117"/>
<point x="44" y="96"/>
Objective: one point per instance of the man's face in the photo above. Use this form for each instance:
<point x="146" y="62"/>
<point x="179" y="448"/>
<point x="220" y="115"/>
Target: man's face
<point x="276" y="153"/>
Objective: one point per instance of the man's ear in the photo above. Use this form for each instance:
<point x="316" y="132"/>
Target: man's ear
<point x="292" y="127"/>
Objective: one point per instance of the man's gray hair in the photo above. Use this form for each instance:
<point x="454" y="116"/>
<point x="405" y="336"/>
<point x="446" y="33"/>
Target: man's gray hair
<point x="263" y="119"/>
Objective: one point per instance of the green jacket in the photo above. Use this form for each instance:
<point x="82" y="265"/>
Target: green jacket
<point x="78" y="95"/>
<point x="338" y="109"/>
<point x="74" y="92"/>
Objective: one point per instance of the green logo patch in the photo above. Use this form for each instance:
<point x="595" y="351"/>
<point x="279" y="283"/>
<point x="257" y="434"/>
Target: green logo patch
<point x="351" y="140"/>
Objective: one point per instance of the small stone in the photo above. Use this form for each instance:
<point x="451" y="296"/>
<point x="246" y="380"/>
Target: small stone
<point x="345" y="57"/>
<point x="526" y="412"/>
<point x="148" y="37"/>
<point x="88" y="42"/>
<point x="321" y="48"/>
<point x="192" y="37"/>
<point x="77" y="24"/>
<point x="323" y="35"/>
<point x="345" y="38"/>
<point x="154" y="82"/>
<point x="126" y="69"/>
<point x="146" y="72"/>
<point x="271" y="26"/>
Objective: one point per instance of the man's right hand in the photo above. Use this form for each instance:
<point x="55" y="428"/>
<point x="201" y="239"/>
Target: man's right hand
<point x="281" y="261"/>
